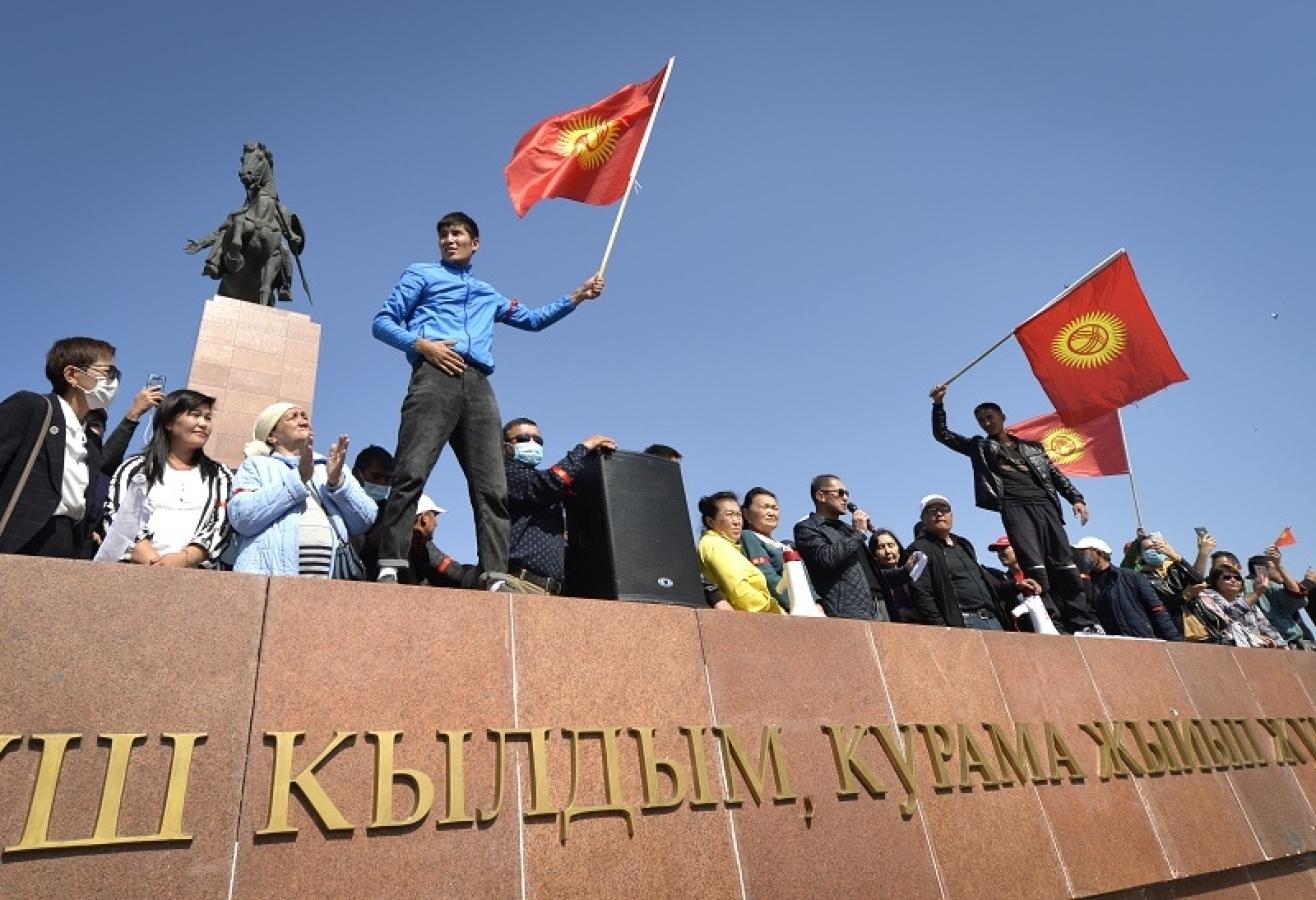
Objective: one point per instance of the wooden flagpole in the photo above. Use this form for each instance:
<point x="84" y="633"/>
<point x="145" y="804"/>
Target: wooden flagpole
<point x="1061" y="296"/>
<point x="635" y="168"/>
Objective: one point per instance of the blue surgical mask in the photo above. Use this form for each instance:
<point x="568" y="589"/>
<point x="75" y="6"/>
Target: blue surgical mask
<point x="529" y="452"/>
<point x="377" y="492"/>
<point x="1154" y="558"/>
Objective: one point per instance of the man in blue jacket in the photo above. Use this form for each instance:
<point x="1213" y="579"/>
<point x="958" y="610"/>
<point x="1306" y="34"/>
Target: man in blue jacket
<point x="442" y="318"/>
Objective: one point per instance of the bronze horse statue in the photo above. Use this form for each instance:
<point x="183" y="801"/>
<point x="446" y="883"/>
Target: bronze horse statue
<point x="253" y="250"/>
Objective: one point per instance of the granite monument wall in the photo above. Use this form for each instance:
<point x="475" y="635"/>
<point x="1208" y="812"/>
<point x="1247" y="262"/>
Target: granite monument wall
<point x="195" y="734"/>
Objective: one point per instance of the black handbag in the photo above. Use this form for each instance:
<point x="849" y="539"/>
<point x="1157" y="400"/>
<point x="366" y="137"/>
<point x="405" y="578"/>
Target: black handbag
<point x="347" y="563"/>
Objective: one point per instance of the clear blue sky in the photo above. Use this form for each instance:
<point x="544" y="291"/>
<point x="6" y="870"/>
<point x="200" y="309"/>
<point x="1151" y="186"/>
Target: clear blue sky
<point x="842" y="203"/>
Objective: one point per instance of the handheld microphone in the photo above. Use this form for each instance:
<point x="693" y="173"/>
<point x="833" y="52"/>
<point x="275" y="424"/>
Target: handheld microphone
<point x="851" y="507"/>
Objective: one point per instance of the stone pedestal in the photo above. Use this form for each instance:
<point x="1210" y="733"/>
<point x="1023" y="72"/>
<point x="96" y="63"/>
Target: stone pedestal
<point x="247" y="357"/>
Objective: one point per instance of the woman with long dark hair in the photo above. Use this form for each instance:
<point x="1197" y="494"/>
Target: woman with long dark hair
<point x="893" y="566"/>
<point x="174" y="493"/>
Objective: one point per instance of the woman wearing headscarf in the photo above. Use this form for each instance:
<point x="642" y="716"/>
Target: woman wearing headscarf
<point x="293" y="509"/>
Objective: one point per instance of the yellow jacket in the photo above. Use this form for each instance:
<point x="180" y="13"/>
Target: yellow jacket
<point x="739" y="580"/>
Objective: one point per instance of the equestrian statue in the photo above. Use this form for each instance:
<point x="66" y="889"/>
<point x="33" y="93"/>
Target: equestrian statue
<point x="253" y="251"/>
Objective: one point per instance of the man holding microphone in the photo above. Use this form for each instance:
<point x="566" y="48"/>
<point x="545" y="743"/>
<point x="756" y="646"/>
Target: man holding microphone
<point x="836" y="554"/>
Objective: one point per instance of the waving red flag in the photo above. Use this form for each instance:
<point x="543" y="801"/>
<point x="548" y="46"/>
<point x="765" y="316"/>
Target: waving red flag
<point x="585" y="154"/>
<point x="1286" y="538"/>
<point x="1090" y="450"/>
<point x="1099" y="347"/>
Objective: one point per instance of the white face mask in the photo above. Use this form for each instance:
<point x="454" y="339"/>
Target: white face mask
<point x="100" y="396"/>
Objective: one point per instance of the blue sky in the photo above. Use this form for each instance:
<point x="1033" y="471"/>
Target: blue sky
<point x="841" y="205"/>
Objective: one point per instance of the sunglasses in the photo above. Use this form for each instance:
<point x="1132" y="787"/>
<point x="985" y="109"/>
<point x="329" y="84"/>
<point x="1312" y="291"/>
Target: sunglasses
<point x="936" y="510"/>
<point x="1227" y="577"/>
<point x="840" y="492"/>
<point x="111" y="372"/>
<point x="525" y="439"/>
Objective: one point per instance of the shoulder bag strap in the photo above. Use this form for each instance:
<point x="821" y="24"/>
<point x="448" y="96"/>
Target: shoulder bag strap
<point x="27" y="469"/>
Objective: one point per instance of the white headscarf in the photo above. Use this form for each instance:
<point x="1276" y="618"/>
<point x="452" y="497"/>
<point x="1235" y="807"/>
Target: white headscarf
<point x="265" y="422"/>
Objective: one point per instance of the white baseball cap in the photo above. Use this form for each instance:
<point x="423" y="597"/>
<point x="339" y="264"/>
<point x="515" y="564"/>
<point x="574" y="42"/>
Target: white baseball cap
<point x="1093" y="543"/>
<point x="427" y="505"/>
<point x="932" y="498"/>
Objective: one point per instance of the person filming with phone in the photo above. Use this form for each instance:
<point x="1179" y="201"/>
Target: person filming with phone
<point x="1279" y="596"/>
<point x="114" y="447"/>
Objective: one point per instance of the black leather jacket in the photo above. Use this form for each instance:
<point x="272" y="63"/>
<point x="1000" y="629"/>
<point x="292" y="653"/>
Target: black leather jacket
<point x="982" y="451"/>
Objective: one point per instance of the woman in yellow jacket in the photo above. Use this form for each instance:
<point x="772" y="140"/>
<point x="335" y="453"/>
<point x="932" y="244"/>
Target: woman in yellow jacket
<point x="723" y="561"/>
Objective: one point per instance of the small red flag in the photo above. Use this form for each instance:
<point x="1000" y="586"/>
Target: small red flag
<point x="1090" y="450"/>
<point x="1100" y="347"/>
<point x="585" y="154"/>
<point x="1286" y="538"/>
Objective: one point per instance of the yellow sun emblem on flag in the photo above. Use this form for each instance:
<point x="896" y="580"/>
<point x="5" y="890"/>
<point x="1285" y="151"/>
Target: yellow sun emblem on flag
<point x="1064" y="445"/>
<point x="589" y="139"/>
<point x="1091" y="340"/>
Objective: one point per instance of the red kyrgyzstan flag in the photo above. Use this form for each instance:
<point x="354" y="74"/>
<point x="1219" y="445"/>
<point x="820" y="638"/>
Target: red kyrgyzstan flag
<point x="1099" y="347"/>
<point x="1090" y="450"/>
<point x="585" y="154"/>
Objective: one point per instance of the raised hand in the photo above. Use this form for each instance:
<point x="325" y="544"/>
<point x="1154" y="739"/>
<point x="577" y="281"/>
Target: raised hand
<point x="590" y="290"/>
<point x="145" y="399"/>
<point x="337" y="456"/>
<point x="306" y="464"/>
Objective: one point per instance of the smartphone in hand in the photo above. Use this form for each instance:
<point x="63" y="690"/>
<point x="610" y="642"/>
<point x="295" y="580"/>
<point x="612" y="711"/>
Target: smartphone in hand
<point x="155" y="380"/>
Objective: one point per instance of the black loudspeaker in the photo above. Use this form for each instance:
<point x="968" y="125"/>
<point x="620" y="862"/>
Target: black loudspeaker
<point x="628" y="532"/>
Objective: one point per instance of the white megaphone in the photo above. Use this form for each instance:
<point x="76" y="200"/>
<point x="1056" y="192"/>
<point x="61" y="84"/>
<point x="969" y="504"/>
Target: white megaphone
<point x="795" y="581"/>
<point x="1032" y="605"/>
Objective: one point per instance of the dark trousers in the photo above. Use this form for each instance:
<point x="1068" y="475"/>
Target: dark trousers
<point x="57" y="538"/>
<point x="461" y="410"/>
<point x="1042" y="548"/>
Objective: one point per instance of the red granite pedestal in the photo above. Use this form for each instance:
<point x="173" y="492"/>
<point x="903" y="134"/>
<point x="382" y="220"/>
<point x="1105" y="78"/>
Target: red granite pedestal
<point x="367" y="740"/>
<point x="247" y="357"/>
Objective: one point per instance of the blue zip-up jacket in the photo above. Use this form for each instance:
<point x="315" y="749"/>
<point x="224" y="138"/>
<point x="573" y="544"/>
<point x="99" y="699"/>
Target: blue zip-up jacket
<point x="266" y="511"/>
<point x="442" y="302"/>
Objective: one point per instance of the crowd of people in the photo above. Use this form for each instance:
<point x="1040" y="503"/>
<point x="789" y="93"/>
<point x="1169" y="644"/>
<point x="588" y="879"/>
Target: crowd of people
<point x="858" y="570"/>
<point x="68" y="490"/>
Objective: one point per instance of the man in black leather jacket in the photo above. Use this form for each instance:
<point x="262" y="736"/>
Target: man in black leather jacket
<point x="1017" y="479"/>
